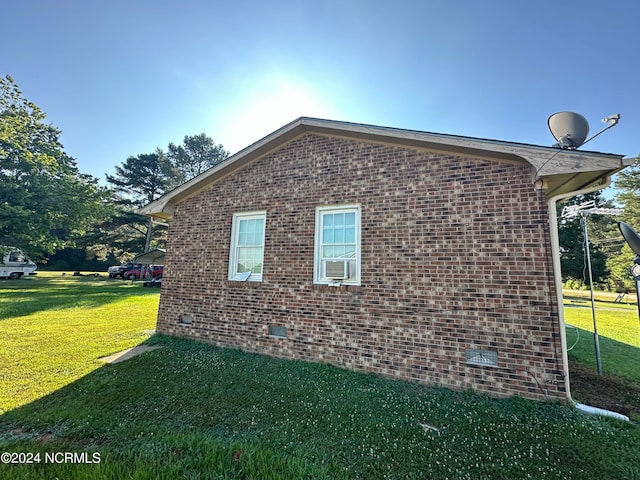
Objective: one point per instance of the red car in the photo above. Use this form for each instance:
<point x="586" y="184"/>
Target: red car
<point x="152" y="271"/>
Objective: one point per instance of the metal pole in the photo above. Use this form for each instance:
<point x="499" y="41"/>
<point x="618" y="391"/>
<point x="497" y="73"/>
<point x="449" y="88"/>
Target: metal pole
<point x="596" y="342"/>
<point x="636" y="280"/>
<point x="147" y="241"/>
<point x="635" y="273"/>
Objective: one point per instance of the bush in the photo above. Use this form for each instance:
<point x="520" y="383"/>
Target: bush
<point x="574" y="284"/>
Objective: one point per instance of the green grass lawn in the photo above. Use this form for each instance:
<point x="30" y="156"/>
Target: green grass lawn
<point x="618" y="332"/>
<point x="54" y="328"/>
<point x="194" y="411"/>
<point x="618" y="389"/>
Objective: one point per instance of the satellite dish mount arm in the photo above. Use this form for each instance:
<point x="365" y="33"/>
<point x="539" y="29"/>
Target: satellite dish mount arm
<point x="612" y="121"/>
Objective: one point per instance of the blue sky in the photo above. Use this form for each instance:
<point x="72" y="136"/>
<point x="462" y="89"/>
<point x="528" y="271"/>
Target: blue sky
<point x="122" y="78"/>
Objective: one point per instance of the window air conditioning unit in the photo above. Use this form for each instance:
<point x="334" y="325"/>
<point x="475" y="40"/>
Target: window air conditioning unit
<point x="336" y="269"/>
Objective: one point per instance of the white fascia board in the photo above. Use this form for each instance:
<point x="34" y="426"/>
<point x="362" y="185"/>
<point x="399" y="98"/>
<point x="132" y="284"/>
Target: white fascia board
<point x="546" y="161"/>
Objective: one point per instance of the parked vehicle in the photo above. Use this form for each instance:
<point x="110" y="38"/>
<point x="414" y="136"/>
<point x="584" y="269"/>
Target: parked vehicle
<point x="119" y="270"/>
<point x="14" y="264"/>
<point x="151" y="271"/>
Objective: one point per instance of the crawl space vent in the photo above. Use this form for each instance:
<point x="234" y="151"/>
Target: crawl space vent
<point x="277" y="331"/>
<point x="481" y="357"/>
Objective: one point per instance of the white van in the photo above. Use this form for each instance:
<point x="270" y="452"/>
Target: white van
<point x="14" y="263"/>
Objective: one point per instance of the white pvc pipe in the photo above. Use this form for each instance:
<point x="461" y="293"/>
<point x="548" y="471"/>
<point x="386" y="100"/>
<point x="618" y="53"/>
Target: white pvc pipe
<point x="555" y="251"/>
<point x="557" y="271"/>
<point x="601" y="411"/>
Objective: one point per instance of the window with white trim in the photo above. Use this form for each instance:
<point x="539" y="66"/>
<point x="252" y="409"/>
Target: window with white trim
<point x="247" y="246"/>
<point x="337" y="245"/>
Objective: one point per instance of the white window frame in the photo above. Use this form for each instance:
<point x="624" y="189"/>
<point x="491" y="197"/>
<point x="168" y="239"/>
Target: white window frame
<point x="318" y="270"/>
<point x="233" y="252"/>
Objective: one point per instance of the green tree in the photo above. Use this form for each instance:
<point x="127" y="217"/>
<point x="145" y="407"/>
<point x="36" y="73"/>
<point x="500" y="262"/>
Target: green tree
<point x="196" y="154"/>
<point x="619" y="265"/>
<point x="628" y="185"/>
<point x="123" y="233"/>
<point x="143" y="178"/>
<point x="45" y="202"/>
<point x="571" y="238"/>
<point x="140" y="180"/>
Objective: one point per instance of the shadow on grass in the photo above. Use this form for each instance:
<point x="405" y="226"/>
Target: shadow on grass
<point x="617" y="358"/>
<point x="36" y="294"/>
<point x="154" y="416"/>
<point x="191" y="409"/>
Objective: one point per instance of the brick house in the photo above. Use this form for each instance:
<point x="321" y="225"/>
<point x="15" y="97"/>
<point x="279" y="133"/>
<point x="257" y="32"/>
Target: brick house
<point x="425" y="257"/>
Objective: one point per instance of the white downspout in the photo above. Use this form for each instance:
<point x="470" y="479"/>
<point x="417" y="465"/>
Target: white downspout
<point x="557" y="272"/>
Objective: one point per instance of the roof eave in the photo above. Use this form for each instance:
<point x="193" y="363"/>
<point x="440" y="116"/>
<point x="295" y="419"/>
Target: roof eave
<point x="572" y="181"/>
<point x="547" y="162"/>
<point x="164" y="206"/>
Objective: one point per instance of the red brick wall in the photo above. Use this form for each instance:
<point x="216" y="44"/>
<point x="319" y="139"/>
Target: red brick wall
<point x="455" y="255"/>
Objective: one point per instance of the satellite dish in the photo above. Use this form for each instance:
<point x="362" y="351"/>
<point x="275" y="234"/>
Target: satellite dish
<point x="569" y="129"/>
<point x="630" y="236"/>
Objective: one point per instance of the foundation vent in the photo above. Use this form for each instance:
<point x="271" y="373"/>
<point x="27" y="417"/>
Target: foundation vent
<point x="277" y="331"/>
<point x="481" y="357"/>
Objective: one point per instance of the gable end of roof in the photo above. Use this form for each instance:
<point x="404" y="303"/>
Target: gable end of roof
<point x="557" y="170"/>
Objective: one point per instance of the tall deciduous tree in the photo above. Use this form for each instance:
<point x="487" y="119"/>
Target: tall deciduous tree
<point x="196" y="154"/>
<point x="45" y="202"/>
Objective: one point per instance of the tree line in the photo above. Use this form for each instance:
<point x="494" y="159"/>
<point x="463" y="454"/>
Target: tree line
<point x="611" y="257"/>
<point x="57" y="214"/>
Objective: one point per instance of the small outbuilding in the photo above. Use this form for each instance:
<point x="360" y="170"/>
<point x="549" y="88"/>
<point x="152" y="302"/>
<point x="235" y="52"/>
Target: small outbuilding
<point x="427" y="257"/>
